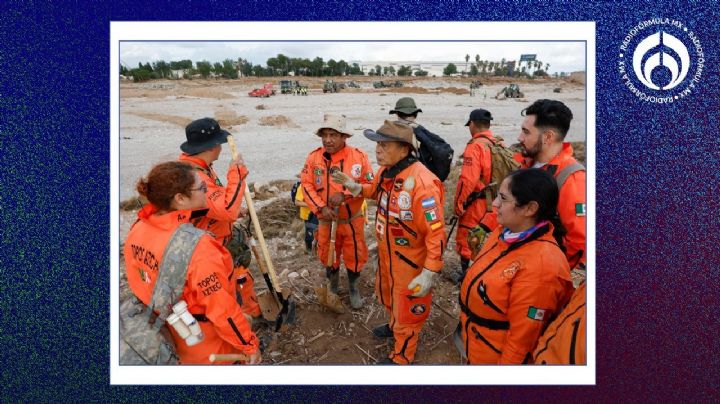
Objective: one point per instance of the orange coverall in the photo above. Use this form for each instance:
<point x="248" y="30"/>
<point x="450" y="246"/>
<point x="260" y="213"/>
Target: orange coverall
<point x="571" y="205"/>
<point x="223" y="209"/>
<point x="509" y="294"/>
<point x="318" y="186"/>
<point x="410" y="231"/>
<point x="563" y="343"/>
<point x="223" y="202"/>
<point x="208" y="292"/>
<point x="474" y="176"/>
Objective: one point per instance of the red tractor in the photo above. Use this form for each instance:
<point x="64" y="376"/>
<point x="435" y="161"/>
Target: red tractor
<point x="265" y="91"/>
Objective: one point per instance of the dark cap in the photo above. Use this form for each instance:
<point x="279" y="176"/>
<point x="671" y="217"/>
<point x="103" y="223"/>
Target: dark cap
<point x="479" y="115"/>
<point x="391" y="132"/>
<point x="405" y="105"/>
<point x="203" y="134"/>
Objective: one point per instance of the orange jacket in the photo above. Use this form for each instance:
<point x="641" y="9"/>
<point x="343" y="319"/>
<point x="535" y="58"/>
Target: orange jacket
<point x="318" y="186"/>
<point x="209" y="294"/>
<point x="476" y="171"/>
<point x="508" y="295"/>
<point x="563" y="343"/>
<point x="223" y="203"/>
<point x="409" y="224"/>
<point x="571" y="205"/>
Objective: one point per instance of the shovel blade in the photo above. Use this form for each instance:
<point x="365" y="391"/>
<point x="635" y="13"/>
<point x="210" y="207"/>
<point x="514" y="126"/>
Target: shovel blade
<point x="269" y="306"/>
<point x="329" y="299"/>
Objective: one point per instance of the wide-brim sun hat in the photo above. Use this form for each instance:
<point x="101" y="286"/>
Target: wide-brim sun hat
<point x="203" y="134"/>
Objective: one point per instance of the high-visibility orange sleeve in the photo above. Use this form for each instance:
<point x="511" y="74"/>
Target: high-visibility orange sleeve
<point x="223" y="203"/>
<point x="314" y="200"/>
<point x="525" y="331"/>
<point x="476" y="162"/>
<point x="430" y="189"/>
<point x="571" y="208"/>
<point x="211" y="287"/>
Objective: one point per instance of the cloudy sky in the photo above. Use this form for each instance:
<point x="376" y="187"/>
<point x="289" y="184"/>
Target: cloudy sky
<point x="562" y="56"/>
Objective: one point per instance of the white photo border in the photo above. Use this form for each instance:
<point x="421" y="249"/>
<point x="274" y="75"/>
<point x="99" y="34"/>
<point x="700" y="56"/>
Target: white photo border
<point x="351" y="31"/>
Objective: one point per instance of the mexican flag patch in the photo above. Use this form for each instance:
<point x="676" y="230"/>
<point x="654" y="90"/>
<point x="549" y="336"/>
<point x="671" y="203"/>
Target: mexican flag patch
<point x="580" y="209"/>
<point x="536" y="314"/>
<point x="431" y="215"/>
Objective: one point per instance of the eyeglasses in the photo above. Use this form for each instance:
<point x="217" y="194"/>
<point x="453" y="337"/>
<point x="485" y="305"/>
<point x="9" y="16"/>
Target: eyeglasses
<point x="504" y="199"/>
<point x="202" y="187"/>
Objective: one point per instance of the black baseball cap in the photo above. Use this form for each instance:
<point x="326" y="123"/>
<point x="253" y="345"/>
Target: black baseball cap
<point x="479" y="115"/>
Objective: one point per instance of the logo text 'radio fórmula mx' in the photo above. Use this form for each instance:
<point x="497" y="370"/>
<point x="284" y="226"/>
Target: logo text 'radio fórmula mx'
<point x="661" y="60"/>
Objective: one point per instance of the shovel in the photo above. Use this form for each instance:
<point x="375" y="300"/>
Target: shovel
<point x="325" y="296"/>
<point x="280" y="298"/>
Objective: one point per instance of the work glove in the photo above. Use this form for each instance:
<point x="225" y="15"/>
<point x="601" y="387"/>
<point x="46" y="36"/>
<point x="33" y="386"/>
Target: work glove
<point x="340" y="177"/>
<point x="422" y="283"/>
<point x="476" y="238"/>
<point x="336" y="199"/>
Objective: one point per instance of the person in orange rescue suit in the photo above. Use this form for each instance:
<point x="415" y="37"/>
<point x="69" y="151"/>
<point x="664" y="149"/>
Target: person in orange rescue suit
<point x="176" y="193"/>
<point x="563" y="343"/>
<point x="520" y="279"/>
<point x="202" y="148"/>
<point x="410" y="231"/>
<point x="470" y="205"/>
<point x="330" y="201"/>
<point x="542" y="140"/>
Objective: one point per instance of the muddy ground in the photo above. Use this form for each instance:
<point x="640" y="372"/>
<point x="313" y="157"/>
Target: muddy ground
<point x="152" y="118"/>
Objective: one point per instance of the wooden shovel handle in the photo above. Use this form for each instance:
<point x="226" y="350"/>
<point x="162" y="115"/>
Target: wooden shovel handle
<point x="256" y="224"/>
<point x="228" y="357"/>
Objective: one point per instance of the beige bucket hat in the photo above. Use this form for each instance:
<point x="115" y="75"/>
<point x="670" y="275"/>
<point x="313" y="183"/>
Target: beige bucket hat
<point x="336" y="122"/>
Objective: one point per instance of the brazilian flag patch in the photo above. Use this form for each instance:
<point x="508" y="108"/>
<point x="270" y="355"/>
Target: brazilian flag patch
<point x="402" y="241"/>
<point x="580" y="209"/>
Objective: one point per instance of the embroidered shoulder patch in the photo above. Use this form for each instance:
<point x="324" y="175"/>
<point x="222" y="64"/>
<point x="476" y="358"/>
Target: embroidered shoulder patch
<point x="580" y="209"/>
<point x="536" y="314"/>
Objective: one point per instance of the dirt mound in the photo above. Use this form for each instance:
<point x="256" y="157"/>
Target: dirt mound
<point x="453" y="90"/>
<point x="277" y="120"/>
<point x="228" y="117"/>
<point x="177" y="120"/>
<point x="261" y="107"/>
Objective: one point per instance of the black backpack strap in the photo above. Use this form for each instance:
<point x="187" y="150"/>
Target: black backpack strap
<point x="173" y="271"/>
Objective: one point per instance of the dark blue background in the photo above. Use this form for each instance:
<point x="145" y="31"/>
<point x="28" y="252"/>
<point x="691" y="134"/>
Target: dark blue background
<point x="657" y="227"/>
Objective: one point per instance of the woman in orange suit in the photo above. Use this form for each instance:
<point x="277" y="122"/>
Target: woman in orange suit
<point x="176" y="192"/>
<point x="520" y="278"/>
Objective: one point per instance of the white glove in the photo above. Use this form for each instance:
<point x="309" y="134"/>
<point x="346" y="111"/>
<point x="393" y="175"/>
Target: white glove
<point x="422" y="283"/>
<point x="340" y="177"/>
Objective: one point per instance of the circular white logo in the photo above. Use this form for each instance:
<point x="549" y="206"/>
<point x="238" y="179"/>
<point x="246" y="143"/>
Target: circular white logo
<point x="661" y="60"/>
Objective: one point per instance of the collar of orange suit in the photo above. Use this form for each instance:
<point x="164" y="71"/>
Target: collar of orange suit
<point x="393" y="171"/>
<point x="338" y="155"/>
<point x="566" y="152"/>
<point x="195" y="160"/>
<point x="170" y="220"/>
<point x="511" y="238"/>
<point x="484" y="133"/>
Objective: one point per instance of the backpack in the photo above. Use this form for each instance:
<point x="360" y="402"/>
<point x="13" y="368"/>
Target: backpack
<point x="434" y="152"/>
<point x="144" y="337"/>
<point x="502" y="164"/>
<point x="293" y="191"/>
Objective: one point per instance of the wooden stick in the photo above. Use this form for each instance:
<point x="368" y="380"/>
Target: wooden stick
<point x="441" y="340"/>
<point x="256" y="224"/>
<point x="228" y="357"/>
<point x="366" y="353"/>
<point x="445" y="311"/>
<point x="316" y="337"/>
